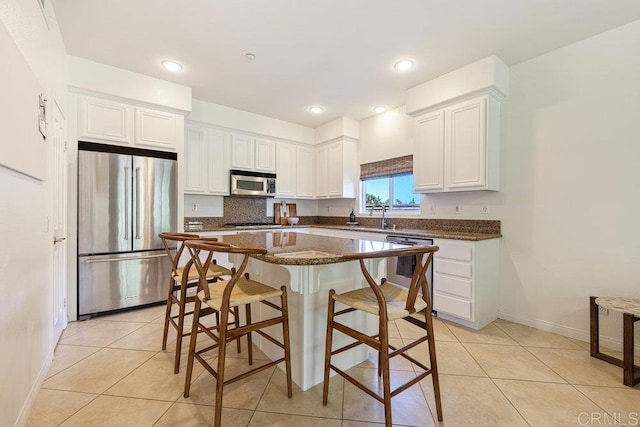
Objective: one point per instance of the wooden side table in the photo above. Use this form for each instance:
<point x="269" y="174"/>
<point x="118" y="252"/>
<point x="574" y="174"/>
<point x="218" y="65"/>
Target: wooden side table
<point x="630" y="309"/>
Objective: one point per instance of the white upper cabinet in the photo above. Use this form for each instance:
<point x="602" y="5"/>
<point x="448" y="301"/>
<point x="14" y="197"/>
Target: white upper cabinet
<point x="457" y="148"/>
<point x="265" y="157"/>
<point x="196" y="152"/>
<point x="242" y="152"/>
<point x="254" y="154"/>
<point x="206" y="161"/>
<point x="104" y="120"/>
<point x="322" y="187"/>
<point x="118" y="123"/>
<point x="305" y="172"/>
<point x="286" y="170"/>
<point x="428" y="157"/>
<point x="155" y="129"/>
<point x="337" y="170"/>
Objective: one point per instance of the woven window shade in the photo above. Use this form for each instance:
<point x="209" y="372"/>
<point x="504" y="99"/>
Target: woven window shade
<point x="387" y="168"/>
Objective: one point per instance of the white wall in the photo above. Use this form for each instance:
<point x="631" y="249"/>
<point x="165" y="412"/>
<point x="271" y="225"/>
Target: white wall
<point x="231" y="118"/>
<point x="570" y="177"/>
<point x="26" y="333"/>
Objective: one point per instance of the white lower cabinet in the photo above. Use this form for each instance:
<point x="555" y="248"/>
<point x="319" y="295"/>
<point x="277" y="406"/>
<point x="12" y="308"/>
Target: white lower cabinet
<point x="465" y="281"/>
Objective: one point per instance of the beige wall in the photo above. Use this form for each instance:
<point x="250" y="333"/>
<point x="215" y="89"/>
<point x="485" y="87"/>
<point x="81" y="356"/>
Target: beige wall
<point x="570" y="175"/>
<point x="26" y="335"/>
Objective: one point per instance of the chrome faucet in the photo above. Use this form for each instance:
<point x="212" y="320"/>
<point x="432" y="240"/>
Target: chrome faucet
<point x="384" y="209"/>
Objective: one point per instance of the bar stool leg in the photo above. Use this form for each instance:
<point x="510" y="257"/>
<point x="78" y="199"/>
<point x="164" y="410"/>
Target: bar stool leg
<point x="432" y="359"/>
<point x="236" y="322"/>
<point x="222" y="351"/>
<point x="285" y="339"/>
<point x="327" y="353"/>
<point x="627" y="343"/>
<point x="247" y="309"/>
<point x="594" y="327"/>
<point x="192" y="347"/>
<point x="383" y="352"/>
<point x="182" y="304"/>
<point x="167" y="314"/>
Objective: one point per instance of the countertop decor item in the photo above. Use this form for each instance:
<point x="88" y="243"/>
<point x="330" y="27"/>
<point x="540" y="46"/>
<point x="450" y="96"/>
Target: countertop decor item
<point x="293" y="220"/>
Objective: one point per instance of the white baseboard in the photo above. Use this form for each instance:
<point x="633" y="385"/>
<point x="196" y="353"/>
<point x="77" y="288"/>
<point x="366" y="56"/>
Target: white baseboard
<point x="33" y="393"/>
<point x="608" y="342"/>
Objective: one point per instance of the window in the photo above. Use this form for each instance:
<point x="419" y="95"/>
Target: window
<point x="388" y="182"/>
<point x="396" y="192"/>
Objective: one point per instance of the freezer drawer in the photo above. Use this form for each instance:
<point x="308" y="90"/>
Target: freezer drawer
<point x="110" y="282"/>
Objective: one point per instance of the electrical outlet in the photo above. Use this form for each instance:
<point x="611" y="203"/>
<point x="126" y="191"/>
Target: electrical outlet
<point x="432" y="208"/>
<point x="457" y="210"/>
<point x="603" y="311"/>
<point x="194" y="207"/>
<point x="484" y="209"/>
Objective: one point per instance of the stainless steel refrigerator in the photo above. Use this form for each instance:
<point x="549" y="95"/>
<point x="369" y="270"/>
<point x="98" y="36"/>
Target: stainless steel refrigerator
<point x="125" y="198"/>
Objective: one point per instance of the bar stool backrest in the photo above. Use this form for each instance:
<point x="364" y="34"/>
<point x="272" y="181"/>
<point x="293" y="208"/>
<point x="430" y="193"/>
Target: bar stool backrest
<point x="205" y="249"/>
<point x="177" y="240"/>
<point x="418" y="285"/>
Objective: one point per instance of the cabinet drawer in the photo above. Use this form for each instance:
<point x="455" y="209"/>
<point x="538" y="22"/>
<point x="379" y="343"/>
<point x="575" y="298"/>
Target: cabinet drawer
<point x="455" y="268"/>
<point x="451" y="305"/>
<point x="452" y="285"/>
<point x="460" y="253"/>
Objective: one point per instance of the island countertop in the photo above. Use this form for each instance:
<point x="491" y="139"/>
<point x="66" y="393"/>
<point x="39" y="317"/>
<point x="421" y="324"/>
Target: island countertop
<point x="291" y="248"/>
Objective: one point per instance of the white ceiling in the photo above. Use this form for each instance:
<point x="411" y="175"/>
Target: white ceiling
<point x="335" y="53"/>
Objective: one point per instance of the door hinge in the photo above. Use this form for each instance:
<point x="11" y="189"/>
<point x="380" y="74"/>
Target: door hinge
<point x="65" y="303"/>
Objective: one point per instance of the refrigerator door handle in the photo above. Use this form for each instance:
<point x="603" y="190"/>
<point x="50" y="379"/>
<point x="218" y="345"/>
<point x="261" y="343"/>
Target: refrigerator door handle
<point x="126" y="203"/>
<point x="138" y="237"/>
<point x="93" y="261"/>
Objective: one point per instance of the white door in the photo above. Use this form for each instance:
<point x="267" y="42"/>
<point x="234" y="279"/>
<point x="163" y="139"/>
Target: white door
<point x="428" y="153"/>
<point x="59" y="216"/>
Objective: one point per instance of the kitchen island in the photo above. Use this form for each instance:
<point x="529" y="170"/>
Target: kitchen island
<point x="310" y="266"/>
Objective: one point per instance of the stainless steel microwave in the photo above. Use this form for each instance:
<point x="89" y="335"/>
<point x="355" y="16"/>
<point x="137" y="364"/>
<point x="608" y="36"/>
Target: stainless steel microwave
<point x="248" y="183"/>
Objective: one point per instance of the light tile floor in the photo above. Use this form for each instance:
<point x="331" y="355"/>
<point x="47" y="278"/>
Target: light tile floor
<point x="111" y="371"/>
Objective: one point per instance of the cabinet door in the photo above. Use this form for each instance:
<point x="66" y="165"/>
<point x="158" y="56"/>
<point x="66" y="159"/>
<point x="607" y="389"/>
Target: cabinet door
<point x="428" y="157"/>
<point x="242" y="151"/>
<point x="155" y="129"/>
<point x="286" y="170"/>
<point x="105" y="121"/>
<point x="218" y="163"/>
<point x="465" y="156"/>
<point x="334" y="160"/>
<point x="305" y="172"/>
<point x="265" y="160"/>
<point x="195" y="147"/>
<point x="321" y="172"/>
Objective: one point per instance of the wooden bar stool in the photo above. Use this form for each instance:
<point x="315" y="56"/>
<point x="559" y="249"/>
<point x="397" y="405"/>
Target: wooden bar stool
<point x="223" y="296"/>
<point x="181" y="279"/>
<point x="389" y="302"/>
<point x="630" y="309"/>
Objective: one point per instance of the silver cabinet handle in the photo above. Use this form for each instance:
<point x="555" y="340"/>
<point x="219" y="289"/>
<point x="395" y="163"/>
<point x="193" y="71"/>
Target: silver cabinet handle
<point x="58" y="239"/>
<point x="93" y="261"/>
<point x="126" y="203"/>
<point x="138" y="203"/>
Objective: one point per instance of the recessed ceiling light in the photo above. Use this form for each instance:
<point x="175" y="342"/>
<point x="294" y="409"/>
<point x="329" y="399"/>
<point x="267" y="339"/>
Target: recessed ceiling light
<point x="403" y="65"/>
<point x="379" y="109"/>
<point x="250" y="56"/>
<point x="316" y="109"/>
<point x="171" y="66"/>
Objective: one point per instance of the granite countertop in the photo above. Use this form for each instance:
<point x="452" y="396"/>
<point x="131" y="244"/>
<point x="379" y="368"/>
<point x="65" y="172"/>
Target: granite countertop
<point x="436" y="234"/>
<point x="289" y="248"/>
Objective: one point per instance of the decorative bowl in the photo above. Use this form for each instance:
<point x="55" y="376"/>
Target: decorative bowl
<point x="292" y="220"/>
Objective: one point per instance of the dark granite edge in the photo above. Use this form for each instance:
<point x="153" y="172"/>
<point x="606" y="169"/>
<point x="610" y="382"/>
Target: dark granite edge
<point x="436" y="234"/>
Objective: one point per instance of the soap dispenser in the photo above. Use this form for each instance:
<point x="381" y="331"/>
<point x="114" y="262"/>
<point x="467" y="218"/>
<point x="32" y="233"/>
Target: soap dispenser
<point x="352" y="216"/>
